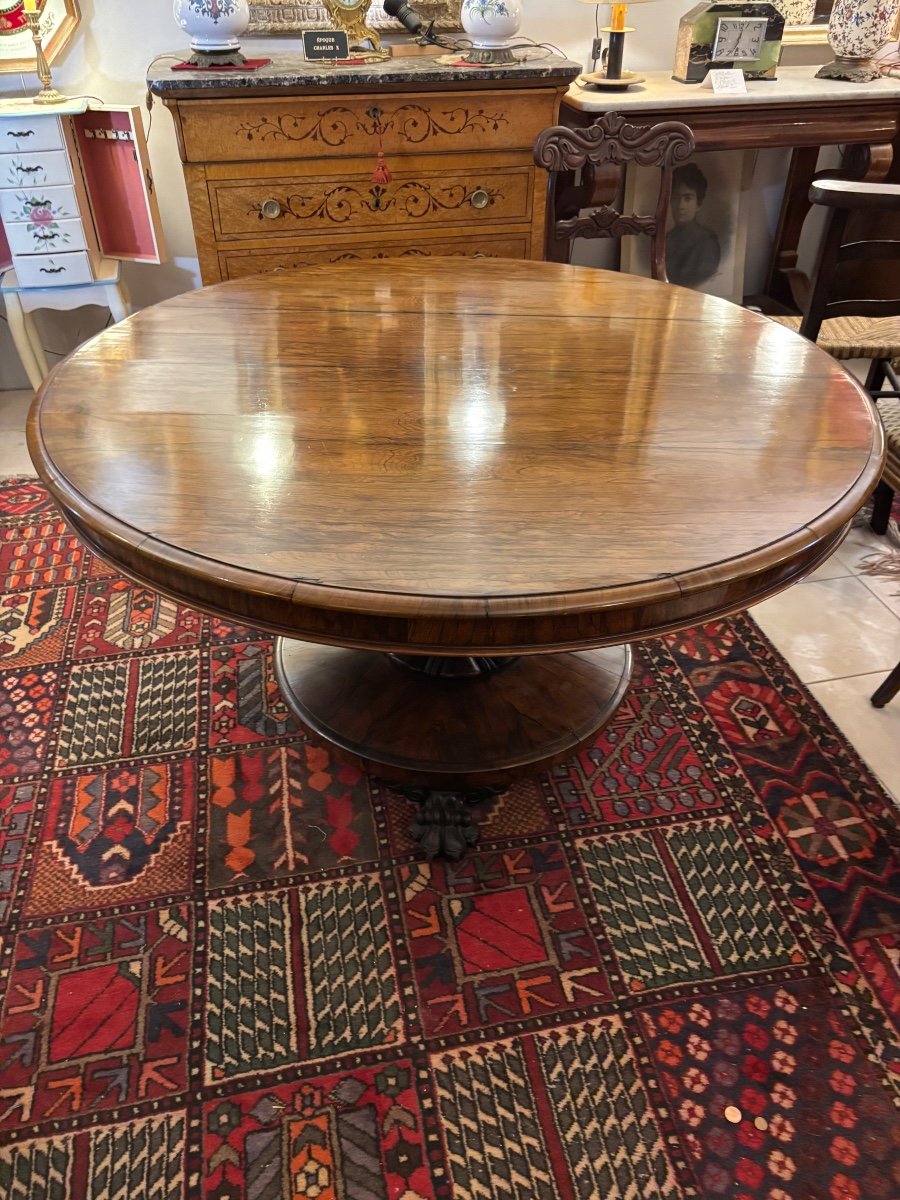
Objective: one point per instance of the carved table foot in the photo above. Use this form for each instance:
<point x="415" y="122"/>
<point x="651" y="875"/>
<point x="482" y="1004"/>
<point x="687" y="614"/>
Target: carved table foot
<point x="443" y="826"/>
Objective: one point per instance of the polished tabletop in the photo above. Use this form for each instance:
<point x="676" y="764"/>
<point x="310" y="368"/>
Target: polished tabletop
<point x="447" y="453"/>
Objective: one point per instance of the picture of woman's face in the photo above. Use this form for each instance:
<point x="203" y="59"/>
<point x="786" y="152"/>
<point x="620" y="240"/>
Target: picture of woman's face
<point x="684" y="205"/>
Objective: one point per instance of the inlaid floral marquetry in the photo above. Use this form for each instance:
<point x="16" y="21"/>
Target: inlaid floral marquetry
<point x="341" y="204"/>
<point x="411" y="122"/>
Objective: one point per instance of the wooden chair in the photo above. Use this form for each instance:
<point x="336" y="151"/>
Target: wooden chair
<point x="849" y="325"/>
<point x="883" y="500"/>
<point x="888" y="689"/>
<point x="609" y="141"/>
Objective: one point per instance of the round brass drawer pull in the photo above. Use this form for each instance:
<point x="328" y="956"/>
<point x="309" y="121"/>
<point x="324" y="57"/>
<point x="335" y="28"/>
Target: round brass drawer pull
<point x="271" y="209"/>
<point x="479" y="199"/>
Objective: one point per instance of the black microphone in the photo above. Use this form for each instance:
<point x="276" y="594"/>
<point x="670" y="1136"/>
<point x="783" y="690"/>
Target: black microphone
<point x="408" y="17"/>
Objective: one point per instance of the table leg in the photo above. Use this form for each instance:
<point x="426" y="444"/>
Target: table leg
<point x="444" y="728"/>
<point x="21" y="340"/>
<point x="37" y="348"/>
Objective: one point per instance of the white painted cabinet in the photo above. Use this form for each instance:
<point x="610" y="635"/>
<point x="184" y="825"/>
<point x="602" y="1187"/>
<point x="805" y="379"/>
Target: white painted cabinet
<point x="75" y="188"/>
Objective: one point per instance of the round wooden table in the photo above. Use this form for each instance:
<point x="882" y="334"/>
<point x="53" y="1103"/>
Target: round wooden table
<point x="456" y="489"/>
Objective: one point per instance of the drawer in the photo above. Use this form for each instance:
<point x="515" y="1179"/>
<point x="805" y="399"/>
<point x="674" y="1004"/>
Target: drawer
<point x="28" y="238"/>
<point x="38" y="205"/>
<point x="301" y="127"/>
<point x="35" y="170"/>
<point x="236" y="264"/>
<point x="53" y="270"/>
<point x="30" y="133"/>
<point x="285" y="207"/>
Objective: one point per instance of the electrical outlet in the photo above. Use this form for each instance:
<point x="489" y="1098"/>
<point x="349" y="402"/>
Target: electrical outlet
<point x="597" y="48"/>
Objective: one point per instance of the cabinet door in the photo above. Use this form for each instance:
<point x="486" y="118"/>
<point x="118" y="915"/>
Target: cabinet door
<point x="116" y="171"/>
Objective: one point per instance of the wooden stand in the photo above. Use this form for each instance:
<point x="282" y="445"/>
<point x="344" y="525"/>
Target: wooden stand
<point x="450" y="725"/>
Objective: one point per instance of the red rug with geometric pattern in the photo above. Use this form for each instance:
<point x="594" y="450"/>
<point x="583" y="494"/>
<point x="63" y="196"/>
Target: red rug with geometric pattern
<point x="669" y="969"/>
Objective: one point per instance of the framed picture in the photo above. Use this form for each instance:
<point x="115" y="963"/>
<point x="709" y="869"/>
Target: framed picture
<point x="706" y="238"/>
<point x="807" y="21"/>
<point x="268" y="17"/>
<point x="59" y="20"/>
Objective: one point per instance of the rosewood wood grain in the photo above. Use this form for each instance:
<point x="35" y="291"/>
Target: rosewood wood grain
<point x="456" y="458"/>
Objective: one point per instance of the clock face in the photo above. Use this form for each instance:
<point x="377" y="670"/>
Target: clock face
<point x="739" y="39"/>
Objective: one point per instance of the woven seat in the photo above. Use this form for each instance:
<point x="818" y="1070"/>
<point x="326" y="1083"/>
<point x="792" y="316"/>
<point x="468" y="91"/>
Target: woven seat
<point x="854" y="337"/>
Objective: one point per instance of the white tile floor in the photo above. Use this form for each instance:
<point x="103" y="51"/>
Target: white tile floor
<point x="840" y="630"/>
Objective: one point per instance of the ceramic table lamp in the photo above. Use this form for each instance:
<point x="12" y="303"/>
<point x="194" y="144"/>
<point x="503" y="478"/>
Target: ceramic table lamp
<point x="490" y="24"/>
<point x="214" y="27"/>
<point x="857" y="29"/>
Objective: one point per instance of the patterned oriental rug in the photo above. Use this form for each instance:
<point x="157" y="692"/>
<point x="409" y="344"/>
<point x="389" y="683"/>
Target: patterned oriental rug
<point x="668" y="970"/>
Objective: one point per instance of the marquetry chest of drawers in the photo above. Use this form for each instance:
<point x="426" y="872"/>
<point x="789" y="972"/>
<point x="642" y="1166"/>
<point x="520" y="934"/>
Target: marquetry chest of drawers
<point x="281" y="166"/>
<point x="75" y="191"/>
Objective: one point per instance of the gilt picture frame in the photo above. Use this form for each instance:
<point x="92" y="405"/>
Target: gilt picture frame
<point x="286" y="18"/>
<point x="59" y="20"/>
<point x="816" y="33"/>
<point x="720" y="220"/>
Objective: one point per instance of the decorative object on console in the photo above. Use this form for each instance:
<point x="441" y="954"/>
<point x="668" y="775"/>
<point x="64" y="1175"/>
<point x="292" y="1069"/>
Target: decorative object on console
<point x="48" y="93"/>
<point x="613" y="77"/>
<point x="350" y="16"/>
<point x="806" y="21"/>
<point x="214" y="27"/>
<point x="857" y="29"/>
<point x="288" y="17"/>
<point x="490" y="24"/>
<point x="797" y="12"/>
<point x="747" y="37"/>
<point x="57" y="20"/>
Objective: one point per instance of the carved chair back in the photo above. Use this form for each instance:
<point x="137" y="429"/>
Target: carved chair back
<point x="610" y="141"/>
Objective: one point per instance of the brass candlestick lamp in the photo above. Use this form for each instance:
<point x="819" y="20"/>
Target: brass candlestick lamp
<point x="48" y="94"/>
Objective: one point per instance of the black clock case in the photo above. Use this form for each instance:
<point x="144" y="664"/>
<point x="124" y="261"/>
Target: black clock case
<point x="700" y="58"/>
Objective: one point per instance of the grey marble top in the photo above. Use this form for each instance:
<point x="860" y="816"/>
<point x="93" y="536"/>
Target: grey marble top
<point x="287" y="71"/>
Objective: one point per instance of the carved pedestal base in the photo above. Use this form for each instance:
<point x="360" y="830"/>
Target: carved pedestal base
<point x="449" y="726"/>
<point x="852" y="70"/>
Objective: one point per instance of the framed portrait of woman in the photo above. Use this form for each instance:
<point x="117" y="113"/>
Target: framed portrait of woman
<point x="706" y="234"/>
<point x="806" y="21"/>
<point x="58" y="21"/>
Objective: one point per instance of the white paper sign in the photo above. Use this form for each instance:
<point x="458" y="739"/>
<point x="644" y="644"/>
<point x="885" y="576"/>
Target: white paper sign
<point x="729" y="82"/>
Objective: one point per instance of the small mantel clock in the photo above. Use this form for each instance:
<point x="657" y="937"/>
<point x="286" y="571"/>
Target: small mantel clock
<point x="350" y="15"/>
<point x="744" y="36"/>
